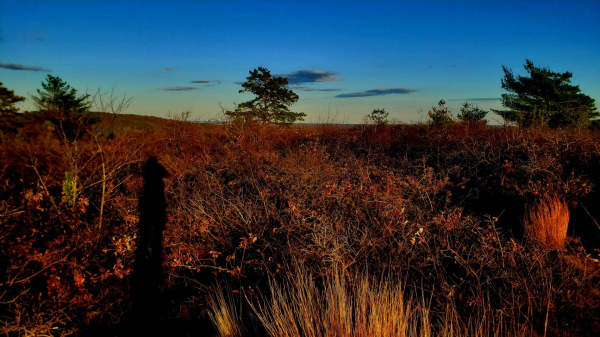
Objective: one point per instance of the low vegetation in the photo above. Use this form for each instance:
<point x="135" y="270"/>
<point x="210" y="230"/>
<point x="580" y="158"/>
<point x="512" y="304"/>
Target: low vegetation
<point x="130" y="225"/>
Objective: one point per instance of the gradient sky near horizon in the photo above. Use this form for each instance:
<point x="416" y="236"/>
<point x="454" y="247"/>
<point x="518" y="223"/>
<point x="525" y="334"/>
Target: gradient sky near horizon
<point x="342" y="56"/>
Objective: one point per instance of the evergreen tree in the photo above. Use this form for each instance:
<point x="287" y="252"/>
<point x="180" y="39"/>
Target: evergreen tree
<point x="470" y="113"/>
<point x="379" y="117"/>
<point x="8" y="111"/>
<point x="58" y="96"/>
<point x="440" y="116"/>
<point x="8" y="99"/>
<point x="545" y="98"/>
<point x="272" y="101"/>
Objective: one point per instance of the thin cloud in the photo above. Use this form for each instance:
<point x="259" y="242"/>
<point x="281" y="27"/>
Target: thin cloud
<point x="314" y="89"/>
<point x="15" y="66"/>
<point x="309" y="76"/>
<point x="179" y="88"/>
<point x="488" y="99"/>
<point x="169" y="68"/>
<point x="376" y="92"/>
<point x="239" y="82"/>
<point x="204" y="81"/>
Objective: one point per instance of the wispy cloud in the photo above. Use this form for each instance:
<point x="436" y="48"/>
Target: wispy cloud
<point x="488" y="99"/>
<point x="205" y="81"/>
<point x="15" y="66"/>
<point x="314" y="89"/>
<point x="308" y="76"/>
<point x="179" y="88"/>
<point x="169" y="68"/>
<point x="376" y="92"/>
<point x="239" y="82"/>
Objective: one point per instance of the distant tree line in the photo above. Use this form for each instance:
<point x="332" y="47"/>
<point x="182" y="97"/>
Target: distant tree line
<point x="542" y="99"/>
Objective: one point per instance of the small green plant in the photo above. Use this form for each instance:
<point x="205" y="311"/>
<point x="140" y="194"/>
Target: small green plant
<point x="69" y="189"/>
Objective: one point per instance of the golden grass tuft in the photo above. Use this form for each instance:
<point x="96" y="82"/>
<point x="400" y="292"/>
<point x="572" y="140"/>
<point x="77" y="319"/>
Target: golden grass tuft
<point x="546" y="222"/>
<point x="224" y="314"/>
<point x="368" y="308"/>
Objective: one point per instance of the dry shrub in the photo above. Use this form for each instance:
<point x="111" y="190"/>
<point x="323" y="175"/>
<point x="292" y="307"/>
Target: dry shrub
<point x="242" y="204"/>
<point x="547" y="221"/>
<point x="398" y="199"/>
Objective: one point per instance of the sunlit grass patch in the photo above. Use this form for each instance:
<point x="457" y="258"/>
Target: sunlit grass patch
<point x="547" y="221"/>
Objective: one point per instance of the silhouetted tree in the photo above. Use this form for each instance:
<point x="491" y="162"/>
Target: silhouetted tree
<point x="8" y="99"/>
<point x="272" y="101"/>
<point x="8" y="111"/>
<point x="470" y="113"/>
<point x="58" y="96"/>
<point x="545" y="98"/>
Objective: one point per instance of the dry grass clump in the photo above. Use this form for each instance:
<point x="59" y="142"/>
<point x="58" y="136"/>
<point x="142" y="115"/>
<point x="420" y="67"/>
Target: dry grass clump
<point x="547" y="221"/>
<point x="368" y="308"/>
<point x="363" y="308"/>
<point x="224" y="315"/>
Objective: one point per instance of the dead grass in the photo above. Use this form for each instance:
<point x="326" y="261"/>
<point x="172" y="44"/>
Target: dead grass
<point x="365" y="308"/>
<point x="224" y="314"/>
<point x="547" y="222"/>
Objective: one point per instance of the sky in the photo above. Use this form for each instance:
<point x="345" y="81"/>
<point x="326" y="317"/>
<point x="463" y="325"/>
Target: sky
<point x="339" y="56"/>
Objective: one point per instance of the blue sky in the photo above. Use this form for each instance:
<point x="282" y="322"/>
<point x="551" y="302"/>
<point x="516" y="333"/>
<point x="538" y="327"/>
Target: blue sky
<point x="350" y="57"/>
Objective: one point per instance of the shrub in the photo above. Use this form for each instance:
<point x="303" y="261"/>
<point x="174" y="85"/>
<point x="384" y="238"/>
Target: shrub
<point x="379" y="117"/>
<point x="440" y="116"/>
<point x="470" y="113"/>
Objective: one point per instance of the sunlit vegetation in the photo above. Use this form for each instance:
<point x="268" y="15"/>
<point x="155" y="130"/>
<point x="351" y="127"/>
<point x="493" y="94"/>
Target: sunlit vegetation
<point x="547" y="222"/>
<point x="363" y="307"/>
<point x="126" y="225"/>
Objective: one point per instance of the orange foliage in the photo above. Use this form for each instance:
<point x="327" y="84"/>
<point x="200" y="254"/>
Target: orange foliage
<point x="247" y="204"/>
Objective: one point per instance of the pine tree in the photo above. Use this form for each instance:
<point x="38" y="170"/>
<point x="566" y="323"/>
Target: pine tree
<point x="379" y="116"/>
<point x="440" y="116"/>
<point x="58" y="96"/>
<point x="545" y="98"/>
<point x="470" y="113"/>
<point x="272" y="101"/>
<point x="8" y="99"/>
